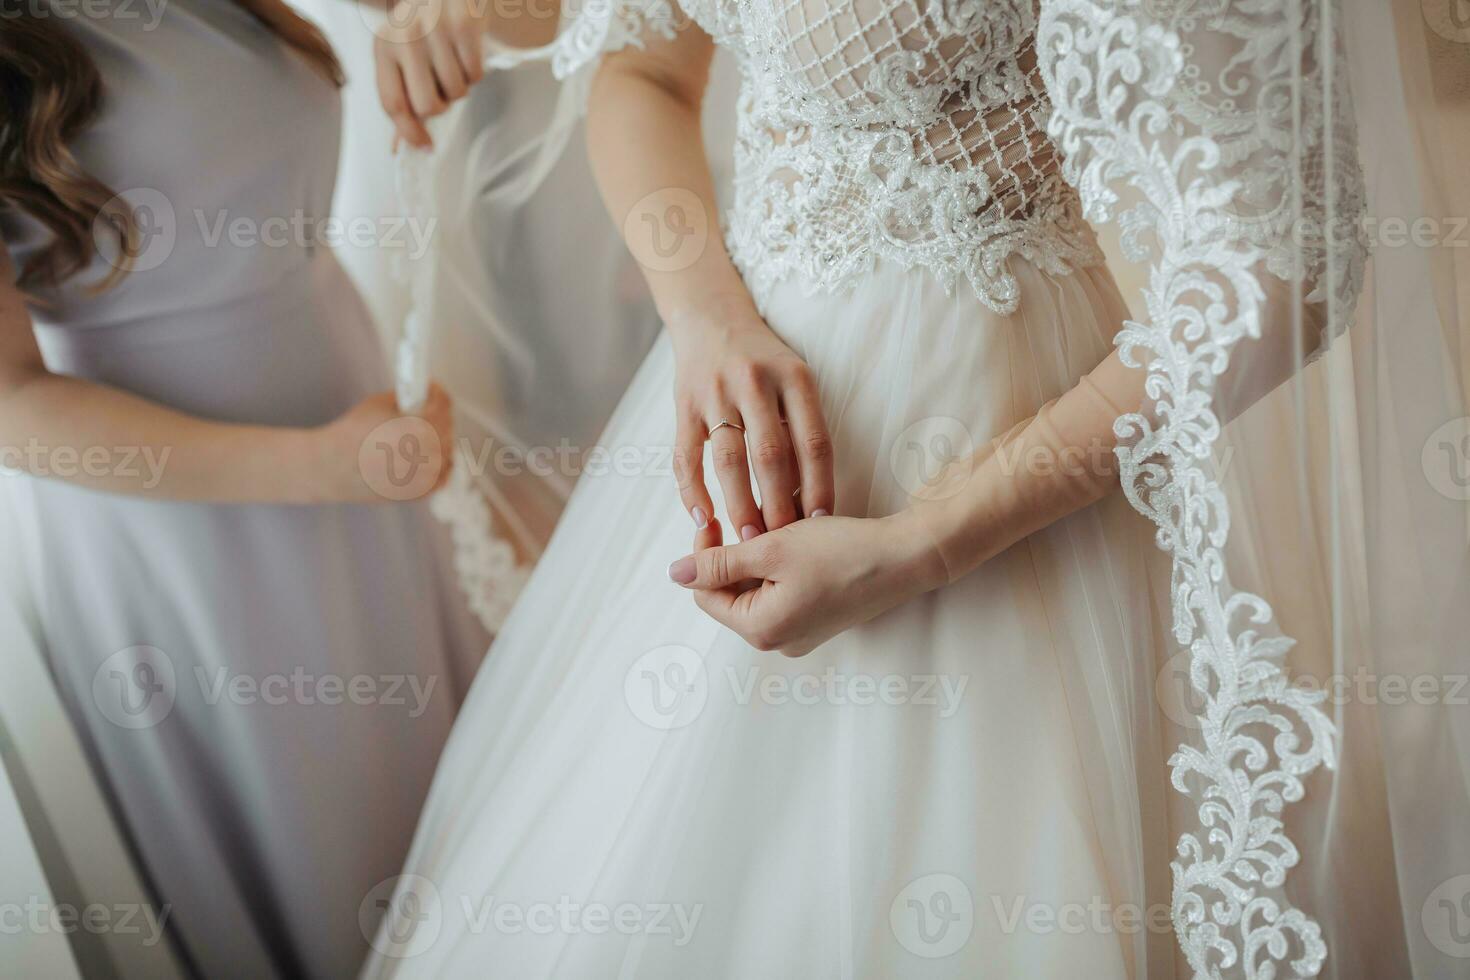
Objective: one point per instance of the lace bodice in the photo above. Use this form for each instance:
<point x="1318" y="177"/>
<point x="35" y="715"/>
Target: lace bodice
<point x="911" y="130"/>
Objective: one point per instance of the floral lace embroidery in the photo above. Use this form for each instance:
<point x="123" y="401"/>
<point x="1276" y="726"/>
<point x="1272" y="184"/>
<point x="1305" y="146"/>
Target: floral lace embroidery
<point x="893" y="129"/>
<point x="1226" y="165"/>
<point x="898" y="130"/>
<point x="605" y="25"/>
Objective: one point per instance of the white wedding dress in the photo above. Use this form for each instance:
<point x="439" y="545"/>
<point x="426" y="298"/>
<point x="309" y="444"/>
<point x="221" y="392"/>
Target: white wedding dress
<point x="632" y="790"/>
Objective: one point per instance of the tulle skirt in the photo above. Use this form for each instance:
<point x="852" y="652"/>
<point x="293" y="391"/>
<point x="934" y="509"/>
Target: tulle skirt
<point x="970" y="785"/>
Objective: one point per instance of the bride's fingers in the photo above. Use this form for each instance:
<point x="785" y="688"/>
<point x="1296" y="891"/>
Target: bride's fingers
<point x="719" y="605"/>
<point x="723" y="567"/>
<point x="709" y="536"/>
<point x="812" y="444"/>
<point x="770" y="454"/>
<point x="728" y="606"/>
<point x="751" y="613"/>
<point x="689" y="469"/>
<point x="727" y="449"/>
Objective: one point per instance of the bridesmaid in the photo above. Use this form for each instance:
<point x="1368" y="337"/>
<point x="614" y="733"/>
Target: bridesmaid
<point x="263" y="652"/>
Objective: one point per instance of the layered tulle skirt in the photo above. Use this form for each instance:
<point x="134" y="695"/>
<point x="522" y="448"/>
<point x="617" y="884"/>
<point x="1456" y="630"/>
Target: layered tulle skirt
<point x="968" y="786"/>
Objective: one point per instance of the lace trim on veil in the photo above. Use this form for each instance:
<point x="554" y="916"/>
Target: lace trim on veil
<point x="484" y="561"/>
<point x="1131" y="108"/>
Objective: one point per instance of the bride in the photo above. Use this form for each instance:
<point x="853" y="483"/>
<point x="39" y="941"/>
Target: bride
<point x="739" y="814"/>
<point x="895" y="446"/>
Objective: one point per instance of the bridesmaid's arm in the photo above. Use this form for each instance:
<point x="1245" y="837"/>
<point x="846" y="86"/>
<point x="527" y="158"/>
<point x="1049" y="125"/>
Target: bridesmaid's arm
<point x="97" y="436"/>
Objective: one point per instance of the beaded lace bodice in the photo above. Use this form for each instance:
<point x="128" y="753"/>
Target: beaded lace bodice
<point x="911" y="130"/>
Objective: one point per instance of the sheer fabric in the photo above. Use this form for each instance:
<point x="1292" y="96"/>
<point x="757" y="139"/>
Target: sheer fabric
<point x="1237" y="130"/>
<point x="526" y="307"/>
<point x="1297" y="447"/>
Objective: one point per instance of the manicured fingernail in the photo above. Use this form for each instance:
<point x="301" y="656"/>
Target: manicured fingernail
<point x="749" y="531"/>
<point x="701" y="519"/>
<point x="682" y="571"/>
<point x="821" y="512"/>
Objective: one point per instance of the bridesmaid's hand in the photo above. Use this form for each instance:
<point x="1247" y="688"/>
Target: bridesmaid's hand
<point x="374" y="453"/>
<point x="794" y="589"/>
<point x="730" y="365"/>
<point x="428" y="55"/>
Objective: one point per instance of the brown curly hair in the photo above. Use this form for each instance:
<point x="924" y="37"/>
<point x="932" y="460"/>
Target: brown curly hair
<point x="52" y="91"/>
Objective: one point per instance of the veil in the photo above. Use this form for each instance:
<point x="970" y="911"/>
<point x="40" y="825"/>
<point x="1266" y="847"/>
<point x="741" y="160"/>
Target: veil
<point x="1302" y="459"/>
<point x="1279" y="183"/>
<point x="521" y="300"/>
<point x="528" y="309"/>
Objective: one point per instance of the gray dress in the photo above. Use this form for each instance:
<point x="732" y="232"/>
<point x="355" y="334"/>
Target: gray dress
<point x="264" y="689"/>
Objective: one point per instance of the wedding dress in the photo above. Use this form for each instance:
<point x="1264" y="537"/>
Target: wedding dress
<point x="976" y="783"/>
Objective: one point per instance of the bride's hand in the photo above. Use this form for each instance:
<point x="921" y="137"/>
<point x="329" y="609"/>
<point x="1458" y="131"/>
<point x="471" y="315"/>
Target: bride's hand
<point x="817" y="577"/>
<point x="428" y="55"/>
<point x="730" y="366"/>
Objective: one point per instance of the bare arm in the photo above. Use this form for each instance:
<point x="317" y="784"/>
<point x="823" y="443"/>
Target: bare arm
<point x="648" y="156"/>
<point x="643" y="137"/>
<point x="104" y="438"/>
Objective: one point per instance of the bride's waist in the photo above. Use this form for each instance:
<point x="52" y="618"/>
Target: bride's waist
<point x="962" y="226"/>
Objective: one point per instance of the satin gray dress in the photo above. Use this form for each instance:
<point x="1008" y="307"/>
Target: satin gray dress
<point x="264" y="689"/>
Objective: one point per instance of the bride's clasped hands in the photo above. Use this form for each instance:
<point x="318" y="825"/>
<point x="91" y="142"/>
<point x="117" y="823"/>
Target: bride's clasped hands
<point x="793" y="589"/>
<point x="745" y="392"/>
<point x="796" y="576"/>
<point x="804" y="581"/>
